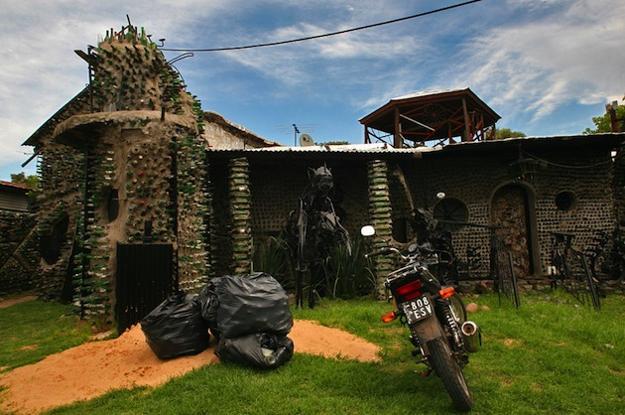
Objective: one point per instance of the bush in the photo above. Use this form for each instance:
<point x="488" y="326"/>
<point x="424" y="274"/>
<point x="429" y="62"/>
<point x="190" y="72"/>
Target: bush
<point x="344" y="275"/>
<point x="348" y="276"/>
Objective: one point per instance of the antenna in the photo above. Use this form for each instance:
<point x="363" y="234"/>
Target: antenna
<point x="295" y="133"/>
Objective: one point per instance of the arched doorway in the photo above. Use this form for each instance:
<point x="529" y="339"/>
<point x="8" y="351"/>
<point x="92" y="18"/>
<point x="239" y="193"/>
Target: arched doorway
<point x="512" y="209"/>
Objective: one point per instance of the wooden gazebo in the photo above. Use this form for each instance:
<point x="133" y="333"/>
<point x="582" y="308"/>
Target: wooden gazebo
<point x="443" y="117"/>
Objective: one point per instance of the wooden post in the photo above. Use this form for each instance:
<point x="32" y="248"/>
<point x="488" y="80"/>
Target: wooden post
<point x="397" y="140"/>
<point x="367" y="138"/>
<point x="467" y="122"/>
<point x="614" y="125"/>
<point x="482" y="126"/>
<point x="451" y="140"/>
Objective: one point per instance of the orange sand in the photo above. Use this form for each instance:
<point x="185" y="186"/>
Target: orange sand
<point x="92" y="369"/>
<point x="16" y="300"/>
<point x="312" y="338"/>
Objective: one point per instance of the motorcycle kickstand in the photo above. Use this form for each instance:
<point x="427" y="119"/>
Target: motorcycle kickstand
<point x="428" y="371"/>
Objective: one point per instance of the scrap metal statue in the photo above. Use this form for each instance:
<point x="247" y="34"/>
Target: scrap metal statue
<point x="431" y="235"/>
<point x="429" y="232"/>
<point x="313" y="229"/>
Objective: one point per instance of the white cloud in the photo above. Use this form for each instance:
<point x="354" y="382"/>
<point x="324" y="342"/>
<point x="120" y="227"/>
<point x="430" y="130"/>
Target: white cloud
<point x="539" y="55"/>
<point x="40" y="72"/>
<point x="575" y="55"/>
<point x="298" y="63"/>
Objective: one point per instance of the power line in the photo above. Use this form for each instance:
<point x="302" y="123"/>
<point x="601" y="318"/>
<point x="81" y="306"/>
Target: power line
<point x="340" y="32"/>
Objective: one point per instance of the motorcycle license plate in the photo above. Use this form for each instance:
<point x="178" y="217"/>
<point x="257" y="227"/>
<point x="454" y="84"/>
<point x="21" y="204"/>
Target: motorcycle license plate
<point x="418" y="309"/>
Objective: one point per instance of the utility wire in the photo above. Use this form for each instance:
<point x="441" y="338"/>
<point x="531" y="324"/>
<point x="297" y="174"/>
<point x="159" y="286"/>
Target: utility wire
<point x="572" y="166"/>
<point x="340" y="32"/>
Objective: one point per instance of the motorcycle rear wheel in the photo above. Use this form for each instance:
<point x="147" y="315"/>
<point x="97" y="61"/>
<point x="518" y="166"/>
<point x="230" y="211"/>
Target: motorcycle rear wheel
<point x="450" y="373"/>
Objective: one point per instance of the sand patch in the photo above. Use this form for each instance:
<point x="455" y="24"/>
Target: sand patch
<point x="92" y="369"/>
<point x="28" y="347"/>
<point x="312" y="338"/>
<point x="16" y="300"/>
<point x="511" y="342"/>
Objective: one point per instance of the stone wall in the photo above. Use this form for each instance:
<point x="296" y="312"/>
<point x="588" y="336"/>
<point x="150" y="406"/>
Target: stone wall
<point x="129" y="169"/>
<point x="217" y="137"/>
<point x="474" y="180"/>
<point x="221" y="133"/>
<point x="62" y="174"/>
<point x="277" y="186"/>
<point x="19" y="252"/>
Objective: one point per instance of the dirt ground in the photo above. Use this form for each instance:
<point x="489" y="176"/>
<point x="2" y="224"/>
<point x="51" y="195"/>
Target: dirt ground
<point x="92" y="369"/>
<point x="8" y="302"/>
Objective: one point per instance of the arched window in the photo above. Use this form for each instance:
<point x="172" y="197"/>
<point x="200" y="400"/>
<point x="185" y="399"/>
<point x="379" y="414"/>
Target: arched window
<point x="565" y="201"/>
<point x="50" y="244"/>
<point x="451" y="213"/>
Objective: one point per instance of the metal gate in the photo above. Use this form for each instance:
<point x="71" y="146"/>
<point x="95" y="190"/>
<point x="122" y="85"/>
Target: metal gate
<point x="144" y="279"/>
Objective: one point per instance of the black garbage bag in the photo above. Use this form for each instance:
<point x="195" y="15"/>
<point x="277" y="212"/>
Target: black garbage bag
<point x="208" y="305"/>
<point x="175" y="327"/>
<point x="247" y="304"/>
<point x="260" y="350"/>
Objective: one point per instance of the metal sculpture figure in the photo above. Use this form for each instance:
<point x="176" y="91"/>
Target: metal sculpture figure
<point x="429" y="233"/>
<point x="312" y="229"/>
<point x="432" y="235"/>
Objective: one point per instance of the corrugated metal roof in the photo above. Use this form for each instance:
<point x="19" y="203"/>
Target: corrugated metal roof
<point x="16" y="186"/>
<point x="428" y="92"/>
<point x="428" y="97"/>
<point x="545" y="139"/>
<point x="376" y="148"/>
<point x="383" y="148"/>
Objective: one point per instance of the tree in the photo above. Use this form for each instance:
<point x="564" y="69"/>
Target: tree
<point x="603" y="124"/>
<point x="502" y="133"/>
<point x="30" y="181"/>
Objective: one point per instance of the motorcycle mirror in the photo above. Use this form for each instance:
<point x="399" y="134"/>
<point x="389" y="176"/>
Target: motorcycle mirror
<point x="440" y="195"/>
<point x="367" y="230"/>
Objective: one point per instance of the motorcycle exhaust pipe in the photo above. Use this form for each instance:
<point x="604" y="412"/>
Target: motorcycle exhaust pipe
<point x="471" y="336"/>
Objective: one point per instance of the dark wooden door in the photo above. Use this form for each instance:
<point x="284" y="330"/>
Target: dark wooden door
<point x="144" y="279"/>
<point x="510" y="211"/>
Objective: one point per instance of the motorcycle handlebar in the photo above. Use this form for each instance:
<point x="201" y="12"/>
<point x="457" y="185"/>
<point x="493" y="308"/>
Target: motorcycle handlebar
<point x="383" y="251"/>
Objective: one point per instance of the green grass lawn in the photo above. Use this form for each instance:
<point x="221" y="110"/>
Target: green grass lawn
<point x="550" y="356"/>
<point x="32" y="330"/>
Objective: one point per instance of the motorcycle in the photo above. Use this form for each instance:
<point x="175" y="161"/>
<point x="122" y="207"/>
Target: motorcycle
<point x="434" y="315"/>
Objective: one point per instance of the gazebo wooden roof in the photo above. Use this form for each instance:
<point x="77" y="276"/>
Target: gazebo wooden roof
<point x="415" y="119"/>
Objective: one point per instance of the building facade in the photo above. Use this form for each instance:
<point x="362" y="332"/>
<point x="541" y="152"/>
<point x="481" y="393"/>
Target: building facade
<point x="143" y="193"/>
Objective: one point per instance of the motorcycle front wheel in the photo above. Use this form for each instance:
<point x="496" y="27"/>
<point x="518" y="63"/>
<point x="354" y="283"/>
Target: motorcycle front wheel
<point x="447" y="369"/>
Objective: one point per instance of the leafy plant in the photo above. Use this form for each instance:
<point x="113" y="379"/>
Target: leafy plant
<point x="272" y="256"/>
<point x="604" y="125"/>
<point x="348" y="275"/>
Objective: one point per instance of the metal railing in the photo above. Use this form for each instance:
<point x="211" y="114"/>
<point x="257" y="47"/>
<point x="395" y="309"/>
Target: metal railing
<point x="570" y="269"/>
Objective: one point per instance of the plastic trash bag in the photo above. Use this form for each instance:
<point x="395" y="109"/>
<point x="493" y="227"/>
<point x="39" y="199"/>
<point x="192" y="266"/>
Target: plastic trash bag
<point x="246" y="304"/>
<point x="208" y="306"/>
<point x="175" y="327"/>
<point x="260" y="350"/>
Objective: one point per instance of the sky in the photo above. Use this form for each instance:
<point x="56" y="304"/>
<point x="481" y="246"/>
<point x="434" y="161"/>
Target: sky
<point x="546" y="66"/>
